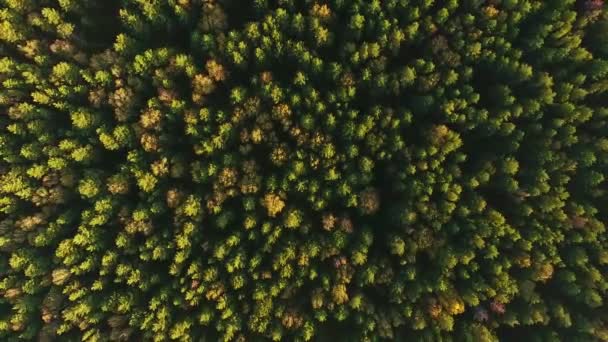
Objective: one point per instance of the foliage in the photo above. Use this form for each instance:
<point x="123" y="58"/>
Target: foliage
<point x="301" y="170"/>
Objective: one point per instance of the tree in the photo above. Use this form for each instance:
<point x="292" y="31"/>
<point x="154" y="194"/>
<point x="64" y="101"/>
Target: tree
<point x="277" y="170"/>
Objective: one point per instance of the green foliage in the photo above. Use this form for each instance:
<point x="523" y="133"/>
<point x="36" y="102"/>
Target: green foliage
<point x="303" y="170"/>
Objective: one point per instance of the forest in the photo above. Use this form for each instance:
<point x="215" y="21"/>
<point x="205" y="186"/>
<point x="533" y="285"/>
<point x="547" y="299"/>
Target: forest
<point x="304" y="170"/>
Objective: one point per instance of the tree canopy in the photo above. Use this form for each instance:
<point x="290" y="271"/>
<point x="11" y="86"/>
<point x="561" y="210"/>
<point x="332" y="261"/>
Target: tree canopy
<point x="362" y="170"/>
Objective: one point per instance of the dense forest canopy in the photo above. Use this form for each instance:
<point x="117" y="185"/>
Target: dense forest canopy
<point x="346" y="170"/>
